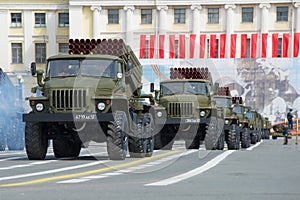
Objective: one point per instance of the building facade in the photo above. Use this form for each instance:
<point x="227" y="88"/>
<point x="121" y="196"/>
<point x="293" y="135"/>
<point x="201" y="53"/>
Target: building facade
<point x="33" y="30"/>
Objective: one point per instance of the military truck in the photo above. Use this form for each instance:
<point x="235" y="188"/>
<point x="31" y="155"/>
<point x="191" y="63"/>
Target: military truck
<point x="240" y="110"/>
<point x="266" y="128"/>
<point x="231" y="125"/>
<point x="11" y="109"/>
<point x="186" y="110"/>
<point x="254" y="125"/>
<point x="91" y="94"/>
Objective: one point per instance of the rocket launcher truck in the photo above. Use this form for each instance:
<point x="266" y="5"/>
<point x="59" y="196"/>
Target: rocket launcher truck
<point x="91" y="94"/>
<point x="186" y="110"/>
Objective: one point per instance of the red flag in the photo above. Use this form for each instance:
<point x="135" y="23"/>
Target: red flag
<point x="222" y="45"/>
<point x="172" y="46"/>
<point x="202" y="45"/>
<point x="212" y="41"/>
<point x="192" y="45"/>
<point x="254" y="37"/>
<point x="243" y="45"/>
<point x="142" y="45"/>
<point x="274" y="45"/>
<point x="152" y="44"/>
<point x="181" y="46"/>
<point x="296" y="44"/>
<point x="285" y="45"/>
<point x="161" y="46"/>
<point x="232" y="45"/>
<point x="264" y="45"/>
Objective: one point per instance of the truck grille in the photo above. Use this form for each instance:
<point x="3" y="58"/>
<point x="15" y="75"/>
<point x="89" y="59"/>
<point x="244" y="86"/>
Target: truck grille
<point x="69" y="99"/>
<point x="180" y="109"/>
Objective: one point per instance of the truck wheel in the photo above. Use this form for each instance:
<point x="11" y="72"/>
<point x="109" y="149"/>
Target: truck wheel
<point x="245" y="139"/>
<point x="149" y="129"/>
<point x="117" y="137"/>
<point x="221" y="141"/>
<point x="36" y="141"/>
<point x="192" y="144"/>
<point x="233" y="141"/>
<point x="253" y="139"/>
<point x="211" y="135"/>
<point x="64" y="147"/>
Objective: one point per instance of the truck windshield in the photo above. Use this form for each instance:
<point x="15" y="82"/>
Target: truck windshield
<point x="184" y="88"/>
<point x="237" y="109"/>
<point x="223" y="102"/>
<point x="87" y="67"/>
<point x="249" y="115"/>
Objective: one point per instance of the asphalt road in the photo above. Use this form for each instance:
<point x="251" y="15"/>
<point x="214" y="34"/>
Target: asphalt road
<point x="267" y="170"/>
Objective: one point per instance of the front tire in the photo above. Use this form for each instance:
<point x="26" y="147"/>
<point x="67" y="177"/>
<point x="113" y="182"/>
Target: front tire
<point x="36" y="141"/>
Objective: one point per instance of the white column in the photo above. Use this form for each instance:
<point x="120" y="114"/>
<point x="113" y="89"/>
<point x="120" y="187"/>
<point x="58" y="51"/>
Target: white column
<point x="196" y="18"/>
<point x="75" y="16"/>
<point x="229" y="24"/>
<point x="297" y="18"/>
<point x="96" y="20"/>
<point x="5" y="49"/>
<point x="29" y="46"/>
<point x="162" y="20"/>
<point x="129" y="18"/>
<point x="264" y="17"/>
<point x="51" y="32"/>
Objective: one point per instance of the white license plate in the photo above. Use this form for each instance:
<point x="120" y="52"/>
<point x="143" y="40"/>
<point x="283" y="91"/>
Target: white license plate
<point x="85" y="116"/>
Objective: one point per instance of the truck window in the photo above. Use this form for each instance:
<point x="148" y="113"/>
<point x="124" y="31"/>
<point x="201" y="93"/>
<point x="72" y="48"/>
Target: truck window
<point x="98" y="68"/>
<point x="237" y="109"/>
<point x="62" y="68"/>
<point x="184" y="88"/>
<point x="223" y="102"/>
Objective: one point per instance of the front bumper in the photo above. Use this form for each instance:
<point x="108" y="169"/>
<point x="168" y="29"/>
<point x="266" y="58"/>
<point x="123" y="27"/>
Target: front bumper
<point x="68" y="117"/>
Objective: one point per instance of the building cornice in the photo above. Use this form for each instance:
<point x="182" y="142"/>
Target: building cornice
<point x="34" y="7"/>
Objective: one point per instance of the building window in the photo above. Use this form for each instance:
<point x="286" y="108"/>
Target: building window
<point x="179" y="16"/>
<point x="247" y="14"/>
<point x="63" y="48"/>
<point x="176" y="49"/>
<point x="63" y="19"/>
<point x="146" y="16"/>
<point x="40" y="19"/>
<point x="282" y="13"/>
<point x="40" y="52"/>
<point x="113" y="16"/>
<point x="248" y="43"/>
<point x="279" y="51"/>
<point x="16" y="52"/>
<point x="16" y="19"/>
<point x="213" y="15"/>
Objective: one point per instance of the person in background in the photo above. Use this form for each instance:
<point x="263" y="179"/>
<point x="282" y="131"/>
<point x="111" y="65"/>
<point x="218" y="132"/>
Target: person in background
<point x="289" y="117"/>
<point x="285" y="134"/>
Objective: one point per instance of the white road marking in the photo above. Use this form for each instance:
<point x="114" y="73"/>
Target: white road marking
<point x="210" y="164"/>
<point x="193" y="172"/>
<point x="12" y="158"/>
<point x="52" y="171"/>
<point x="28" y="165"/>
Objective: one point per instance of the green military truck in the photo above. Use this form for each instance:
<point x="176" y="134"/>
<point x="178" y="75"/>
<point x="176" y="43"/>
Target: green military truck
<point x="254" y="125"/>
<point x="231" y="125"/>
<point x="240" y="110"/>
<point x="91" y="94"/>
<point x="186" y="110"/>
<point x="266" y="132"/>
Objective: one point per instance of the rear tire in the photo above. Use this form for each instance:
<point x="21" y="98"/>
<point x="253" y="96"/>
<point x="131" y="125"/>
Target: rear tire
<point x="233" y="141"/>
<point x="245" y="139"/>
<point x="64" y="147"/>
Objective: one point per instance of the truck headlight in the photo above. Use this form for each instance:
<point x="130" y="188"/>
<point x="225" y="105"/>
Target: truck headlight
<point x="159" y="114"/>
<point x="240" y="125"/>
<point x="39" y="107"/>
<point x="202" y="113"/>
<point x="101" y="106"/>
<point x="226" y="121"/>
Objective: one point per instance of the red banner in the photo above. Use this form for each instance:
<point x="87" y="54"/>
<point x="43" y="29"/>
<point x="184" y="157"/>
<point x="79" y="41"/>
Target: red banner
<point x="296" y="44"/>
<point x="254" y="37"/>
<point x="243" y="45"/>
<point x="192" y="45"/>
<point x="285" y="45"/>
<point x="275" y="45"/>
<point x="264" y="45"/>
<point x="152" y="44"/>
<point x="232" y="45"/>
<point x="142" y="45"/>
<point x="222" y="45"/>
<point x="172" y="46"/>
<point x="181" y="46"/>
<point x="202" y="45"/>
<point x="161" y="46"/>
<point x="212" y="41"/>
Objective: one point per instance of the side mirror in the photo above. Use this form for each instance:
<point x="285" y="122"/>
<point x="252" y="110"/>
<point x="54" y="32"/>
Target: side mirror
<point x="33" y="68"/>
<point x="129" y="66"/>
<point x="151" y="87"/>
